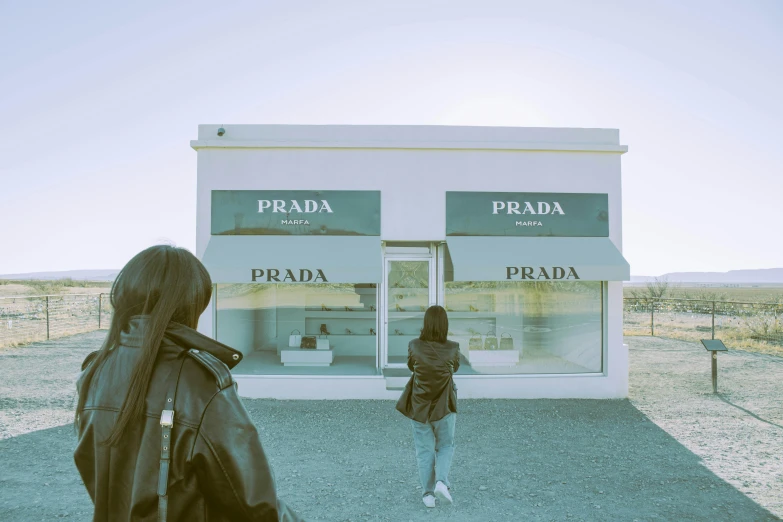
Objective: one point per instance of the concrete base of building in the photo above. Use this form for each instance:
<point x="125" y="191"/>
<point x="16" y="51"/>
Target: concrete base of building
<point x="608" y="385"/>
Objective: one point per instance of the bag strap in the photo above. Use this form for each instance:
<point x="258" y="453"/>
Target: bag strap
<point x="166" y="425"/>
<point x="297" y="331"/>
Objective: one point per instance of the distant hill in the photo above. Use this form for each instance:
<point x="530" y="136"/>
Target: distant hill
<point x="78" y="275"/>
<point x="764" y="275"/>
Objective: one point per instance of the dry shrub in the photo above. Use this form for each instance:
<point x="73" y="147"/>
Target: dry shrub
<point x="764" y="328"/>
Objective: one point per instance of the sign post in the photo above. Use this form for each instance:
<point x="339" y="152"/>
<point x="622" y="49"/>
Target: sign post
<point x="713" y="346"/>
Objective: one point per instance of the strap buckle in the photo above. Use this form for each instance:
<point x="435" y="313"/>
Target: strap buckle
<point x="167" y="418"/>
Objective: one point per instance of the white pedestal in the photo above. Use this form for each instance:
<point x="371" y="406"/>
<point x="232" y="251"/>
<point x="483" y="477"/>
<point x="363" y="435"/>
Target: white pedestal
<point x="493" y="357"/>
<point x="306" y="357"/>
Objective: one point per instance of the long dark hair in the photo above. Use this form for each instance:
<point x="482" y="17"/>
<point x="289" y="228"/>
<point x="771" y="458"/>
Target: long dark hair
<point x="436" y="325"/>
<point x="166" y="284"/>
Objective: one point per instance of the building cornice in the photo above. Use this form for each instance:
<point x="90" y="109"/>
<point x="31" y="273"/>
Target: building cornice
<point x="407" y="145"/>
<point x="408" y="137"/>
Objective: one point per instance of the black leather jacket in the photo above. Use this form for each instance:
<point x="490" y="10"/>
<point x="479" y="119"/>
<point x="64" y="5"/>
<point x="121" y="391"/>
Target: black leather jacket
<point x="218" y="469"/>
<point x="430" y="393"/>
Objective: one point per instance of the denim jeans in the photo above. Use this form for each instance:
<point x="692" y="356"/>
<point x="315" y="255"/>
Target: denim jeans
<point x="434" y="442"/>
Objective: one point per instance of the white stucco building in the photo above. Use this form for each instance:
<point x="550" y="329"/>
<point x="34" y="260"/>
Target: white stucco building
<point x="350" y="232"/>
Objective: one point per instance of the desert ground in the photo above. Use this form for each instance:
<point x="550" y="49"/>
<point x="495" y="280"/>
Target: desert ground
<point x="15" y="288"/>
<point x="672" y="451"/>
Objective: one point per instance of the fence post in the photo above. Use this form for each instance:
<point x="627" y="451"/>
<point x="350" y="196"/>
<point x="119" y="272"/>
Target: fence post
<point x="713" y="319"/>
<point x="47" y="317"/>
<point x="652" y="318"/>
<point x="100" y="296"/>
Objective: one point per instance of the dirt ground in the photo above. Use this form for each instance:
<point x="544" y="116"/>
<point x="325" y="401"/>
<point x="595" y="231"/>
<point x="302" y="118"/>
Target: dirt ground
<point x="673" y="451"/>
<point x="14" y="289"/>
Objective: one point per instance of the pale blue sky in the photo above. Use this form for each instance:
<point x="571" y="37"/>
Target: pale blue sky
<point x="98" y="102"/>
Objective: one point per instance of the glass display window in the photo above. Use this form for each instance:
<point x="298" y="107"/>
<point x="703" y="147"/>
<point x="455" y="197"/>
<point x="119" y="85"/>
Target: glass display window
<point x="300" y="328"/>
<point x="527" y="327"/>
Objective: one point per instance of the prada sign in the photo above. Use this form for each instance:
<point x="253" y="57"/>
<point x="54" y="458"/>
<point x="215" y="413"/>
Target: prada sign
<point x="527" y="214"/>
<point x="296" y="212"/>
<point x="513" y="207"/>
<point x="307" y="206"/>
<point x="288" y="275"/>
<point x="541" y="272"/>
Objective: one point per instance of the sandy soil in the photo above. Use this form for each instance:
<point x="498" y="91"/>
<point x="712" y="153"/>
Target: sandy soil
<point x="674" y="451"/>
<point x="738" y="432"/>
<point x="18" y="289"/>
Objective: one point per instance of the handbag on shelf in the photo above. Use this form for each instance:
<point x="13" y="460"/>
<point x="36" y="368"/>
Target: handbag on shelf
<point x="506" y="343"/>
<point x="491" y="340"/>
<point x="309" y="342"/>
<point x="295" y="339"/>
<point x="322" y="343"/>
<point x="475" y="343"/>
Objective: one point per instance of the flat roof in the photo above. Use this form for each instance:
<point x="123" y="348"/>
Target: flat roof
<point x="409" y="137"/>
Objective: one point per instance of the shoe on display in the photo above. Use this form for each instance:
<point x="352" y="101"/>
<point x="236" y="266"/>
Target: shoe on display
<point x="429" y="501"/>
<point x="442" y="492"/>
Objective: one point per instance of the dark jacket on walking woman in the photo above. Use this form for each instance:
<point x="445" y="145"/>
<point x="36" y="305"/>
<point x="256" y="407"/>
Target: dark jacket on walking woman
<point x="430" y="393"/>
<point x="205" y="462"/>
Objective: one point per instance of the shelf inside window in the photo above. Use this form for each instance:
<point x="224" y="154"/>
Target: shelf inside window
<point x="342" y="314"/>
<point x="327" y="336"/>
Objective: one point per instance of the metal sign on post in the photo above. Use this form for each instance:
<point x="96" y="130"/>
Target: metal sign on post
<point x="714" y="346"/>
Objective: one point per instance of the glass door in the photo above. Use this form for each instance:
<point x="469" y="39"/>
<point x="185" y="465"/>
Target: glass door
<point x="409" y="288"/>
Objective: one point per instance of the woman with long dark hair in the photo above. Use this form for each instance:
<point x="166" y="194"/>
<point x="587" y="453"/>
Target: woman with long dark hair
<point x="162" y="432"/>
<point x="430" y="401"/>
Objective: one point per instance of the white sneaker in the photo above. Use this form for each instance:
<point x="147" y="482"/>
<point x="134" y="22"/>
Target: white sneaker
<point x="429" y="501"/>
<point x="442" y="492"/>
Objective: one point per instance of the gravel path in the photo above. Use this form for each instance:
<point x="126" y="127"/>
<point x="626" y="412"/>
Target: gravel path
<point x="673" y="452"/>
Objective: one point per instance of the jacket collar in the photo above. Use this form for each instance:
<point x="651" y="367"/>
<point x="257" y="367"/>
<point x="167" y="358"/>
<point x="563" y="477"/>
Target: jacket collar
<point x="182" y="336"/>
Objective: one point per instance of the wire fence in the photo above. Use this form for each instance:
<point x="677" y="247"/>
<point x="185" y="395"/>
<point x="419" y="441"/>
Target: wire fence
<point x="742" y="325"/>
<point x="27" y="319"/>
